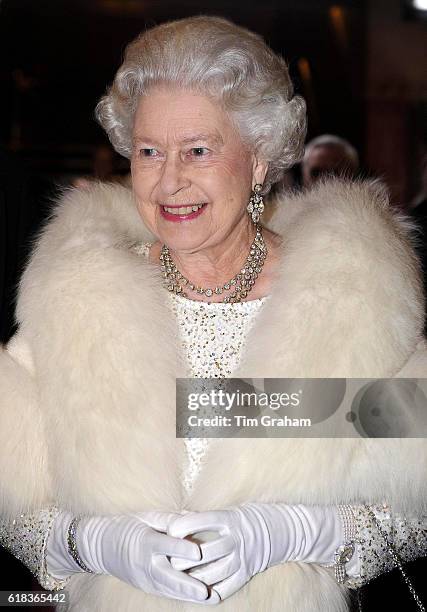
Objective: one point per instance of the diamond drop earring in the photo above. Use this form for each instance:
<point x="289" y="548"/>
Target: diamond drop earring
<point x="255" y="206"/>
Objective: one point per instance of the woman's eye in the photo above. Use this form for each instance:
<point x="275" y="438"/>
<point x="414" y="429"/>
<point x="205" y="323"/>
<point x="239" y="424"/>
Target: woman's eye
<point x="199" y="151"/>
<point x="148" y="152"/>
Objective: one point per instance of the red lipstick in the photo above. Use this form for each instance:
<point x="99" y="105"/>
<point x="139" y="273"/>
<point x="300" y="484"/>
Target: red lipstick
<point x="178" y="218"/>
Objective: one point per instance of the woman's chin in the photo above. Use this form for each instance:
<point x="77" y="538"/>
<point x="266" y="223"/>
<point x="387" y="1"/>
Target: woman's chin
<point x="181" y="239"/>
<point x="181" y="245"/>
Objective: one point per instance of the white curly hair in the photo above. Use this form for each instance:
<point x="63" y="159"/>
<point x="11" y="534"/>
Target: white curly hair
<point x="225" y="61"/>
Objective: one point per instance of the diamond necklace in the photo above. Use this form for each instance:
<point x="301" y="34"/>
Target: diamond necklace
<point x="240" y="285"/>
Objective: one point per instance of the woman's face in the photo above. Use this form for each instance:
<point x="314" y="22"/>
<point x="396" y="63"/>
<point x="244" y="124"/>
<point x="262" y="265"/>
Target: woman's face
<point x="191" y="173"/>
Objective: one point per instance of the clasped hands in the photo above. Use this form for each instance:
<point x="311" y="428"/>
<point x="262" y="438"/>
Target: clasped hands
<point x="251" y="538"/>
<point x="152" y="550"/>
<point x="241" y="550"/>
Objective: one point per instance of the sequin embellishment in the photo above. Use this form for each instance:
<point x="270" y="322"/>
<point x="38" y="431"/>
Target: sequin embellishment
<point x="26" y="538"/>
<point x="212" y="336"/>
<point x="407" y="534"/>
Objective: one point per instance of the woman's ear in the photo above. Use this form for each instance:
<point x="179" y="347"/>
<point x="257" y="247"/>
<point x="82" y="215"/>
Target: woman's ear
<point x="259" y="170"/>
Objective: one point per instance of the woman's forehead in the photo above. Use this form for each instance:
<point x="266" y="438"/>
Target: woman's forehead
<point x="181" y="116"/>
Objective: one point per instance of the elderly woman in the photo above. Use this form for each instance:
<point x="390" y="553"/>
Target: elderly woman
<point x="127" y="290"/>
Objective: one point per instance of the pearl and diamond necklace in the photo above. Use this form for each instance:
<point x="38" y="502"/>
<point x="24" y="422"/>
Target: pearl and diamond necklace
<point x="240" y="285"/>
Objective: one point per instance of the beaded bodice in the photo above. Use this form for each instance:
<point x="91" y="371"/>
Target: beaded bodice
<point x="213" y="338"/>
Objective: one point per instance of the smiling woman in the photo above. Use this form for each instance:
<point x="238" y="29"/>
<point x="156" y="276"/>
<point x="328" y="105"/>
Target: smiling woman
<point x="126" y="290"/>
<point x="190" y="174"/>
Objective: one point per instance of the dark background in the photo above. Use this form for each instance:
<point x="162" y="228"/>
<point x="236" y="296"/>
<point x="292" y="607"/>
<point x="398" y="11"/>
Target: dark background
<point x="359" y="64"/>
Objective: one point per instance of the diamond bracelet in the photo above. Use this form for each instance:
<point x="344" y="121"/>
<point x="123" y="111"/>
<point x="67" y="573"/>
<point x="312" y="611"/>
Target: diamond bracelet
<point x="72" y="546"/>
<point x="345" y="552"/>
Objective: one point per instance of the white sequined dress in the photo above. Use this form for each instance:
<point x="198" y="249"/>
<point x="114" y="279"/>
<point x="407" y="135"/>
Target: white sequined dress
<point x="213" y="337"/>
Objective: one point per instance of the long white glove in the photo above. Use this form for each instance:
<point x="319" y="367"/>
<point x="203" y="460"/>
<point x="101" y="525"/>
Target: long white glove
<point x="256" y="536"/>
<point x="128" y="547"/>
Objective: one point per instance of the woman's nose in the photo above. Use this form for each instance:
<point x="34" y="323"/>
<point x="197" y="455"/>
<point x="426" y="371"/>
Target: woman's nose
<point x="173" y="177"/>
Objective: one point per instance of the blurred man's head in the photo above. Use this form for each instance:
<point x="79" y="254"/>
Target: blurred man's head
<point x="328" y="155"/>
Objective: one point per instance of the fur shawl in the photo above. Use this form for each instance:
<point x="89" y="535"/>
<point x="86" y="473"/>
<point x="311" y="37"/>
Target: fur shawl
<point x="87" y="414"/>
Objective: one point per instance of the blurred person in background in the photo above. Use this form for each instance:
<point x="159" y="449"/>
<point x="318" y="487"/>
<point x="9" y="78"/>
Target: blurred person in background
<point x="328" y="155"/>
<point x="127" y="290"/>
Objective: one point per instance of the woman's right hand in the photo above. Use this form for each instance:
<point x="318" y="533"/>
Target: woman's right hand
<point x="127" y="547"/>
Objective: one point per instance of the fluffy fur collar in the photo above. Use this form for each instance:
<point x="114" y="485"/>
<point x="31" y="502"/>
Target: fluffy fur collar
<point x="347" y="301"/>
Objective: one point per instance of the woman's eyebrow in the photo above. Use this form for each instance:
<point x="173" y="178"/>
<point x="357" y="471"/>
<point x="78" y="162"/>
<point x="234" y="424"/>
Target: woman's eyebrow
<point x="213" y="138"/>
<point x="138" y="138"/>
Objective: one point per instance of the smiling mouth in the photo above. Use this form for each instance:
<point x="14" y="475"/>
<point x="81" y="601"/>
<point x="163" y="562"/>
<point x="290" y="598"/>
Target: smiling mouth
<point x="183" y="210"/>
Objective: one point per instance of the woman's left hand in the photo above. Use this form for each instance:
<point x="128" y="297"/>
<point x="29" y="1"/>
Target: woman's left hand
<point x="254" y="537"/>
